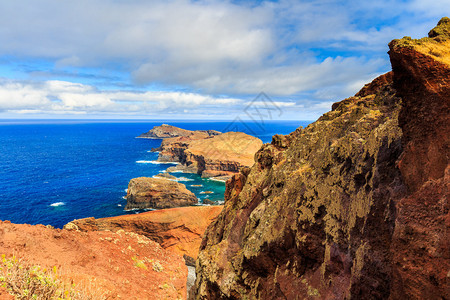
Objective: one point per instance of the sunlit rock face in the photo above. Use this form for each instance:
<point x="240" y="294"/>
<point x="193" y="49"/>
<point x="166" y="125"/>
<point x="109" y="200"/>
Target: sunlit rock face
<point x="352" y="207"/>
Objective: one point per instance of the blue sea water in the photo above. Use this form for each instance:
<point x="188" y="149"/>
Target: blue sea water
<point x="54" y="171"/>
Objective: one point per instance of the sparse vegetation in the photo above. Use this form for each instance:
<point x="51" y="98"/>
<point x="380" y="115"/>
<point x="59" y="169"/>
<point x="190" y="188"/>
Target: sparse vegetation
<point x="26" y="281"/>
<point x="139" y="263"/>
<point x="436" y="46"/>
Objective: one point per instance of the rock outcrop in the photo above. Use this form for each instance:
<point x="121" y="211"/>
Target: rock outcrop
<point x="176" y="229"/>
<point x="352" y="207"/>
<point x="118" y="265"/>
<point x="145" y="192"/>
<point x="168" y="131"/>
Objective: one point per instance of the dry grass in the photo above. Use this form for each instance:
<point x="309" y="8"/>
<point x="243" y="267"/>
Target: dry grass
<point x="26" y="281"/>
<point x="439" y="51"/>
<point x="437" y="45"/>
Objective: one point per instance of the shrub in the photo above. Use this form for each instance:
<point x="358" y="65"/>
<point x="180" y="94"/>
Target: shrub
<point x="26" y="281"/>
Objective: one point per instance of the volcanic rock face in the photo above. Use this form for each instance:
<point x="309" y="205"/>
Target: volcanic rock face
<point x="298" y="224"/>
<point x="422" y="79"/>
<point x="119" y="265"/>
<point x="176" y="229"/>
<point x="325" y="211"/>
<point x="145" y="192"/>
<point x="421" y="246"/>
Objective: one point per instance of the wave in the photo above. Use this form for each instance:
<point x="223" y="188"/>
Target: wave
<point x="183" y="179"/>
<point x="56" y="204"/>
<point x="157" y="162"/>
<point x="218" y="180"/>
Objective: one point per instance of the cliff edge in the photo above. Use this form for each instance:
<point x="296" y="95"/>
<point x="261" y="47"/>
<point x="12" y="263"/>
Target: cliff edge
<point x="104" y="265"/>
<point x="177" y="229"/>
<point x="352" y="207"/>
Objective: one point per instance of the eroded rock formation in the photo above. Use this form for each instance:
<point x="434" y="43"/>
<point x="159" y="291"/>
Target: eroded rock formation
<point x="145" y="192"/>
<point x="326" y="212"/>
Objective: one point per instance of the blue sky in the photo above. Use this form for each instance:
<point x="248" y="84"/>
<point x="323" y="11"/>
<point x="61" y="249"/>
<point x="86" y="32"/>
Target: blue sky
<point x="118" y="59"/>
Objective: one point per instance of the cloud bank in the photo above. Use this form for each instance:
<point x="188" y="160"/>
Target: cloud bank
<point x="112" y="56"/>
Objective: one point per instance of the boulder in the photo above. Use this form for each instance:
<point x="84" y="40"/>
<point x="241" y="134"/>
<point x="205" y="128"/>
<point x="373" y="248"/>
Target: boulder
<point x="208" y="202"/>
<point x="145" y="192"/>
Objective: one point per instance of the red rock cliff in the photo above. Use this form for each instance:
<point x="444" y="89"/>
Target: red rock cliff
<point x="421" y="245"/>
<point x="352" y="207"/>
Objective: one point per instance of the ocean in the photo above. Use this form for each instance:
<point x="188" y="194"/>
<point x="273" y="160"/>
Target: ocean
<point x="54" y="171"/>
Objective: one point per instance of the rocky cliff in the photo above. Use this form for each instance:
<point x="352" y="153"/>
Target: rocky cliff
<point x="146" y="192"/>
<point x="176" y="229"/>
<point x="104" y="265"/>
<point x="421" y="243"/>
<point x="352" y="207"/>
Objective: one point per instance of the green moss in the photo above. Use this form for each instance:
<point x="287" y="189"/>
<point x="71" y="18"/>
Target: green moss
<point x="442" y="29"/>
<point x="139" y="263"/>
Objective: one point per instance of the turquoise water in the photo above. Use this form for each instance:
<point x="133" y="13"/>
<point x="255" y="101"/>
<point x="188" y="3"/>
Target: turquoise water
<point x="52" y="172"/>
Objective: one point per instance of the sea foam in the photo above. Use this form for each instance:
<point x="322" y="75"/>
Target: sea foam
<point x="183" y="179"/>
<point x="56" y="204"/>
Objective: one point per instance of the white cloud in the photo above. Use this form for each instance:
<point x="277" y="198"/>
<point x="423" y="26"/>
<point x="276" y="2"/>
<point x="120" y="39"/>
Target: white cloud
<point x="286" y="48"/>
<point x="68" y="97"/>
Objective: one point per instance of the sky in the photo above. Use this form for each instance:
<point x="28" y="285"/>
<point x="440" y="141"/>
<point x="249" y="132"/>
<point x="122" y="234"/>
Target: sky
<point x="196" y="60"/>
